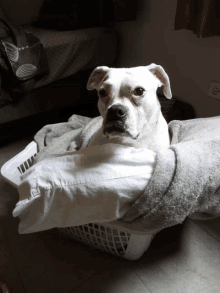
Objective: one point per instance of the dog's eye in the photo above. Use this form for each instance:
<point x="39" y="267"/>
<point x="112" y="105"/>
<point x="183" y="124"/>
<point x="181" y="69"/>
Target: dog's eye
<point x="139" y="91"/>
<point x="102" y="93"/>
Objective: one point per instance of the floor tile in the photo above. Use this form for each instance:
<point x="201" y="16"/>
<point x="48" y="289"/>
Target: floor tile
<point x="183" y="258"/>
<point x="118" y="277"/>
<point x="8" y="271"/>
<point x="213" y="289"/>
<point x="197" y="263"/>
<point x="8" y="194"/>
<point x="9" y="225"/>
<point x="11" y="149"/>
<point x="2" y="235"/>
<point x="201" y="252"/>
<point x="8" y="198"/>
<point x="50" y="262"/>
<point x="211" y="226"/>
<point x="188" y="282"/>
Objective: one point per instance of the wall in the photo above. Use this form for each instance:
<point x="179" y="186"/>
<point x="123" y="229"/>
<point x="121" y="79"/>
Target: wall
<point x="190" y="62"/>
<point x="20" y="11"/>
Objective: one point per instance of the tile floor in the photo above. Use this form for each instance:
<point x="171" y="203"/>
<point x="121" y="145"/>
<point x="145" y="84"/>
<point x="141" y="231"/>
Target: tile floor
<point x="184" y="258"/>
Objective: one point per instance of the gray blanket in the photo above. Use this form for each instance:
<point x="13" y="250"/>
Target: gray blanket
<point x="186" y="181"/>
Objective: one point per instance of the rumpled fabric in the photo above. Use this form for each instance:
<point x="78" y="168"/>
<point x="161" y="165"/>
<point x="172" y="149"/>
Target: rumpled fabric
<point x="23" y="61"/>
<point x="64" y="190"/>
<point x="185" y="181"/>
<point x="72" y="135"/>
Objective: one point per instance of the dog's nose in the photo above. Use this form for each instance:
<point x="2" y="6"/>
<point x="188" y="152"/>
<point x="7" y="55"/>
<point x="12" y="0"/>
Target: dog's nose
<point x="116" y="112"/>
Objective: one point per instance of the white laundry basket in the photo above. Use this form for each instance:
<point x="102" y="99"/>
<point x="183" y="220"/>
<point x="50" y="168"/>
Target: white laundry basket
<point x="123" y="244"/>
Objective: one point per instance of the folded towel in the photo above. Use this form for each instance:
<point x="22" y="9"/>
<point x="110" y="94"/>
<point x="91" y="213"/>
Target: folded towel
<point x="186" y="180"/>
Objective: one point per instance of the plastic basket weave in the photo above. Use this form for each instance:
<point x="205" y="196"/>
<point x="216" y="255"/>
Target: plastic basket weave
<point x="98" y="236"/>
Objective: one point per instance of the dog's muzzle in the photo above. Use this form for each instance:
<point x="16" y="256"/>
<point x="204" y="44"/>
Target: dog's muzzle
<point x="116" y="113"/>
<point x="115" y="120"/>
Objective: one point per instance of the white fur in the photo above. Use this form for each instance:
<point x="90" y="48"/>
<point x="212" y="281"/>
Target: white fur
<point x="144" y="118"/>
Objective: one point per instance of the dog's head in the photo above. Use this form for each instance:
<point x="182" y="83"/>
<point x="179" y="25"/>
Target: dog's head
<point x="127" y="97"/>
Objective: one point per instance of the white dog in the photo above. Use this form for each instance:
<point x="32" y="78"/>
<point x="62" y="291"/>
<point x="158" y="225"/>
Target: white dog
<point x="129" y="106"/>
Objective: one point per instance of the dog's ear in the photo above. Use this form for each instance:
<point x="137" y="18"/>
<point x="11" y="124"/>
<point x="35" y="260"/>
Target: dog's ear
<point x="96" y="77"/>
<point x="163" y="77"/>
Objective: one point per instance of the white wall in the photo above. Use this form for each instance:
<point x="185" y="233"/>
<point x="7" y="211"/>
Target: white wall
<point x="190" y="62"/>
